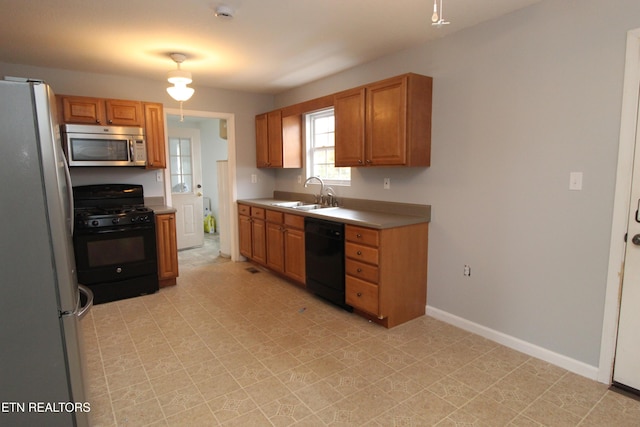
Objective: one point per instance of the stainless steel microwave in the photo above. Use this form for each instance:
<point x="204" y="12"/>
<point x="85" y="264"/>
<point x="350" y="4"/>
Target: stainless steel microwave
<point x="91" y="145"/>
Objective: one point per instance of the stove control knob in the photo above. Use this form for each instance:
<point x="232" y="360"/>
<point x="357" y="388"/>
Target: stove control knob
<point x="133" y="219"/>
<point x="95" y="222"/>
<point x="115" y="220"/>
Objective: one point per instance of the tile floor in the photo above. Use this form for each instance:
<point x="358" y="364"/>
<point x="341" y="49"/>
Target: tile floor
<point x="234" y="348"/>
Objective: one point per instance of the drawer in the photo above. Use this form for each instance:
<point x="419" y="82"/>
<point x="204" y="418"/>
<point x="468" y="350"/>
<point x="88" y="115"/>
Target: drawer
<point x="273" y="216"/>
<point x="257" y="212"/>
<point x="294" y="221"/>
<point x="362" y="271"/>
<point x="361" y="253"/>
<point x="366" y="236"/>
<point x="362" y="295"/>
<point x="244" y="210"/>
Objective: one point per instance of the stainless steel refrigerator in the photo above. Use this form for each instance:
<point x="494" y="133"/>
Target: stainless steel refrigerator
<point x="41" y="360"/>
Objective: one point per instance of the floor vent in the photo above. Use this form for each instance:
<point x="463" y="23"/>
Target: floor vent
<point x="253" y="270"/>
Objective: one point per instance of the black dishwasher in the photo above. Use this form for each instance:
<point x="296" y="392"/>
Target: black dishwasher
<point x="324" y="255"/>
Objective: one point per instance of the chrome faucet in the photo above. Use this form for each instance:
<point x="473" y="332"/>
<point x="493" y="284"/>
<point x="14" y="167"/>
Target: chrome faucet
<point x="319" y="196"/>
<point x="330" y="199"/>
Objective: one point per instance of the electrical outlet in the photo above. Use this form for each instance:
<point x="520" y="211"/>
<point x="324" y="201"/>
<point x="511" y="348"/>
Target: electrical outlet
<point x="254" y="178"/>
<point x="467" y="270"/>
<point x="386" y="184"/>
<point x="299" y="179"/>
<point x="159" y="176"/>
<point x="575" y="181"/>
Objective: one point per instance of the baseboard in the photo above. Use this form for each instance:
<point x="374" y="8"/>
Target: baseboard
<point x="517" y="344"/>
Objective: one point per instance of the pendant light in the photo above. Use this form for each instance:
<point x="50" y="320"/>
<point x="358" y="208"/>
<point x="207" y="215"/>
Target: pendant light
<point x="436" y="19"/>
<point x="180" y="79"/>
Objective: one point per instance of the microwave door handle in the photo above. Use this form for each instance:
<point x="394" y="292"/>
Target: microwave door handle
<point x="131" y="158"/>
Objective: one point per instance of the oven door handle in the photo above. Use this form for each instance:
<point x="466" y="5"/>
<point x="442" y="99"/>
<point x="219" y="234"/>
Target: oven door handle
<point x="131" y="158"/>
<point x="92" y="232"/>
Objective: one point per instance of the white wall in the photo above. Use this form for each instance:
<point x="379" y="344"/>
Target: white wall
<point x="519" y="103"/>
<point x="243" y="104"/>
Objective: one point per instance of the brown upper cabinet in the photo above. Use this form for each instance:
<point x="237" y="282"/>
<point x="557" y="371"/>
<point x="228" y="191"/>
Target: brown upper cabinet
<point x="154" y="135"/>
<point x="387" y="123"/>
<point x="99" y="111"/>
<point x="119" y="112"/>
<point x="278" y="140"/>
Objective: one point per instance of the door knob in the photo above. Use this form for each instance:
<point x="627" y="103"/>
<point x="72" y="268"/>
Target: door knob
<point x="636" y="240"/>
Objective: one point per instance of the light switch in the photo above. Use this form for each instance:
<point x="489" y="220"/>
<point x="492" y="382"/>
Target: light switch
<point x="575" y="181"/>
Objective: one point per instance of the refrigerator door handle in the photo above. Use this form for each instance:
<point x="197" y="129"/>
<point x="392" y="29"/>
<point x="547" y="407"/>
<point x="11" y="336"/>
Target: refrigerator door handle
<point x="82" y="311"/>
<point x="67" y="177"/>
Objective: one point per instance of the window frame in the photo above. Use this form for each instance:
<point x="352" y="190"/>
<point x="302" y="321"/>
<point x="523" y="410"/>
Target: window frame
<point x="309" y="133"/>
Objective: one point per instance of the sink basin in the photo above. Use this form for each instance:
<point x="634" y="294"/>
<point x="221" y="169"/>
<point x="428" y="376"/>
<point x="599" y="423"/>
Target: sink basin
<point x="311" y="207"/>
<point x="287" y="204"/>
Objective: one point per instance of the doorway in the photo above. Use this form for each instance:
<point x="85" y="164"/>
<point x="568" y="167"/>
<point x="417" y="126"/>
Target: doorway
<point x="200" y="143"/>
<point x="623" y="211"/>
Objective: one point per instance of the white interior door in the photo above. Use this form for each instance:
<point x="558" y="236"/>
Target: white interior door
<point x="186" y="186"/>
<point x="627" y="360"/>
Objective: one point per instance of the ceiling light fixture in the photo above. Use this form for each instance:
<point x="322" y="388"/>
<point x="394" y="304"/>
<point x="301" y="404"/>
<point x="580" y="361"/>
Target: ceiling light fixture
<point x="436" y="19"/>
<point x="223" y="12"/>
<point x="180" y="79"/>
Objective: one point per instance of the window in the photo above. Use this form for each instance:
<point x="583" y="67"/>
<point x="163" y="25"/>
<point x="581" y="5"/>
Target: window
<point x="180" y="164"/>
<point x="320" y="136"/>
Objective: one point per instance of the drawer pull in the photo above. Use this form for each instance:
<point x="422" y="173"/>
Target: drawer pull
<point x="359" y="236"/>
<point x="359" y="294"/>
<point x="359" y="270"/>
<point x="359" y="252"/>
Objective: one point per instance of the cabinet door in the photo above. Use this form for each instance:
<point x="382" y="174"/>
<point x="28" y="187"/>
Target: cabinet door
<point x="292" y="141"/>
<point x="258" y="241"/>
<point x="350" y="127"/>
<point x="82" y="110"/>
<point x="167" y="246"/>
<point x="274" y="119"/>
<point x="154" y="135"/>
<point x="275" y="246"/>
<point x="294" y="266"/>
<point x="123" y="113"/>
<point x="244" y="228"/>
<point x="262" y="141"/>
<point x="386" y="131"/>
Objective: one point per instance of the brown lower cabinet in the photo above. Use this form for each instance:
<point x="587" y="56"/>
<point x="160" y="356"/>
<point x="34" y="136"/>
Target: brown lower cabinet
<point x="167" y="248"/>
<point x="273" y="239"/>
<point x="252" y="230"/>
<point x="386" y="272"/>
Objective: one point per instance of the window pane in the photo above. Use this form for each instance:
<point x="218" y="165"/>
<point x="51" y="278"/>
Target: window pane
<point x="320" y="141"/>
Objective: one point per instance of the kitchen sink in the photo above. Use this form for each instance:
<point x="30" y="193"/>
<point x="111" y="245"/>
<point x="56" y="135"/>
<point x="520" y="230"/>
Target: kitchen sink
<point x="301" y="205"/>
<point x="287" y="204"/>
<point x="312" y="207"/>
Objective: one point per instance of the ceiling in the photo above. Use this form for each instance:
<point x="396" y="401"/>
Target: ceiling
<point x="267" y="47"/>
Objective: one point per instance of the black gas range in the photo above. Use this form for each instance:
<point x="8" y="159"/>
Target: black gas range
<point x="114" y="241"/>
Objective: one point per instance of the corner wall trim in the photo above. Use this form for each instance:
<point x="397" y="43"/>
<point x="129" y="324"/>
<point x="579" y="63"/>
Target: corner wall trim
<point x="517" y="344"/>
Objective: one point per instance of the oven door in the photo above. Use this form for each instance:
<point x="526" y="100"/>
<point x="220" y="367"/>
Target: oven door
<point x="115" y="254"/>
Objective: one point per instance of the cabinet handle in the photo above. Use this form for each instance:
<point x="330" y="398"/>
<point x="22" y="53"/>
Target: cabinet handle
<point x="359" y="252"/>
<point x="368" y="162"/>
<point x="359" y="236"/>
<point x="359" y="161"/>
<point x="359" y="270"/>
<point x="359" y="294"/>
<point x="98" y="121"/>
<point x="110" y="121"/>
